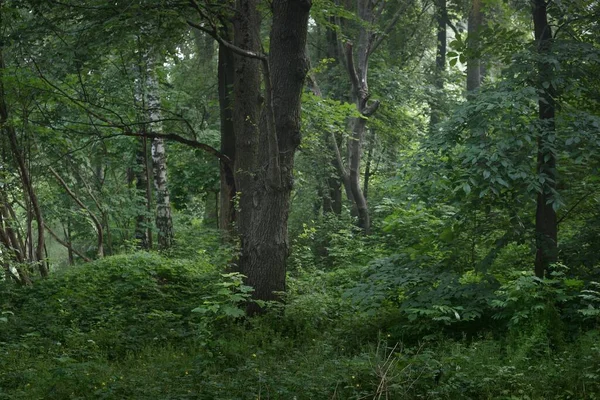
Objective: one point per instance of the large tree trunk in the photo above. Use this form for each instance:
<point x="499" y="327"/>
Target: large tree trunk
<point x="267" y="134"/>
<point x="546" y="228"/>
<point x="227" y="190"/>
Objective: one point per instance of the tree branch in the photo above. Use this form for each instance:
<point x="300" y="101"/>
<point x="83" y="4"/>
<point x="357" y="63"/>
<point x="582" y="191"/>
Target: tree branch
<point x="230" y="46"/>
<point x="180" y="139"/>
<point x="66" y="244"/>
<point x="93" y="217"/>
<point x="577" y="203"/>
<point x="126" y="128"/>
<point x="378" y="39"/>
<point x="352" y="69"/>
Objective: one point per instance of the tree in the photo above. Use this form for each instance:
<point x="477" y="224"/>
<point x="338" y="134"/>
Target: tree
<point x="546" y="227"/>
<point x="475" y="21"/>
<point x="357" y="65"/>
<point x="17" y="151"/>
<point x="267" y="133"/>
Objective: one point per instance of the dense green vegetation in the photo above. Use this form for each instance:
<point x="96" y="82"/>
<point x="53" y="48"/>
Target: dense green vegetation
<point x="144" y="326"/>
<point x="294" y="199"/>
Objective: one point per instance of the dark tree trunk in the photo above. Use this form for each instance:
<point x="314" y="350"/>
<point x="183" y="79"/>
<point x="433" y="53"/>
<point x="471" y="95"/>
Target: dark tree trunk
<point x="546" y="228"/>
<point x="142" y="233"/>
<point x="227" y="190"/>
<point x="368" y="171"/>
<point x="332" y="200"/>
<point x="267" y="127"/>
<point x="332" y="197"/>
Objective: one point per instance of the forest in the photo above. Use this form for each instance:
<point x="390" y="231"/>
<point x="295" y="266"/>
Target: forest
<point x="299" y="199"/>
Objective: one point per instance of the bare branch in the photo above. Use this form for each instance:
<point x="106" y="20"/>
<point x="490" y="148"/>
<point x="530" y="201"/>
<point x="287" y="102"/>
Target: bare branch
<point x="93" y="217"/>
<point x="378" y="39"/>
<point x="66" y="244"/>
<point x="230" y="46"/>
<point x="126" y="127"/>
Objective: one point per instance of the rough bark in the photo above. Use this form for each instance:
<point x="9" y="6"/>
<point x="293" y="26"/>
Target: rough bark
<point x="227" y="188"/>
<point x="546" y="227"/>
<point x="267" y="126"/>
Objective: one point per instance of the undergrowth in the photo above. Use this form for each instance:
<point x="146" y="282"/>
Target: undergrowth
<point x="143" y="326"/>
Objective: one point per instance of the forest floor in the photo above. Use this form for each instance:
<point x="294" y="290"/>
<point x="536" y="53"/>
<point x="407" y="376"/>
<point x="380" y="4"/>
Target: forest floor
<point x="143" y="326"/>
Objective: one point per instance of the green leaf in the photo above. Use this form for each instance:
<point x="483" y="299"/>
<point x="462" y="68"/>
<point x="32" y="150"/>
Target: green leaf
<point x="466" y="187"/>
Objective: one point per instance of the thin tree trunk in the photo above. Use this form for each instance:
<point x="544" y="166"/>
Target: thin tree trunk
<point x="164" y="219"/>
<point x="93" y="217"/>
<point x="473" y="31"/>
<point x="332" y="197"/>
<point x="142" y="233"/>
<point x="441" y="18"/>
<point x="546" y="227"/>
<point x="141" y="170"/>
<point x="10" y="236"/>
<point x="368" y="170"/>
<point x="68" y="245"/>
<point x="23" y="171"/>
<point x="67" y="233"/>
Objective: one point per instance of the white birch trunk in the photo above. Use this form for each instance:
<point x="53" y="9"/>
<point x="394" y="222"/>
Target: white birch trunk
<point x="164" y="219"/>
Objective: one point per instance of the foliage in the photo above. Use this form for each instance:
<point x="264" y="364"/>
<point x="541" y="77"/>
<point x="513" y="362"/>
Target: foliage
<point x="127" y="330"/>
<point x="438" y="302"/>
